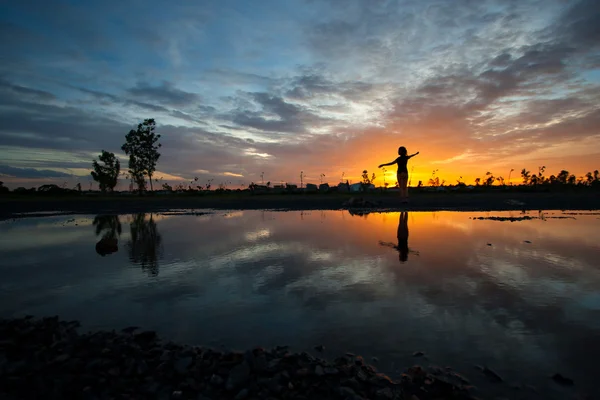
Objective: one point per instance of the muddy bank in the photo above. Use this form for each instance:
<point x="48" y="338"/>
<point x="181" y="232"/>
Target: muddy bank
<point x="48" y="358"/>
<point x="493" y="201"/>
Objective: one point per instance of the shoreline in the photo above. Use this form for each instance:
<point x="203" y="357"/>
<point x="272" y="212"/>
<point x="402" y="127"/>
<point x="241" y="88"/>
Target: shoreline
<point x="14" y="206"/>
<point x="49" y="356"/>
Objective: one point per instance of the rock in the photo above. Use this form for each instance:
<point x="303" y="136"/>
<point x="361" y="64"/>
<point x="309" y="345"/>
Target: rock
<point x="130" y="329"/>
<point x="260" y="363"/>
<point x="561" y="380"/>
<point x="489" y="244"/>
<point x="273" y="363"/>
<point x="345" y="391"/>
<point x="319" y="370"/>
<point x="320" y="348"/>
<point x="385" y="394"/>
<point x="493" y="376"/>
<point x="374" y="359"/>
<point x="49" y="355"/>
<point x="145" y="336"/>
<point x="216" y="380"/>
<point x="526" y="241"/>
<point x="242" y="394"/>
<point x="238" y="375"/>
<point x="62" y="358"/>
<point x="418" y="354"/>
<point x="142" y="367"/>
<point x="362" y="375"/>
<point x="182" y="364"/>
<point x="166" y="355"/>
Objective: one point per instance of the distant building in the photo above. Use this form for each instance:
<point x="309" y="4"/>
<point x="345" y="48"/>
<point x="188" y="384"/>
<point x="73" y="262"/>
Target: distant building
<point x="324" y="187"/>
<point x="358" y="187"/>
<point x="311" y="187"/>
<point x="343" y="187"/>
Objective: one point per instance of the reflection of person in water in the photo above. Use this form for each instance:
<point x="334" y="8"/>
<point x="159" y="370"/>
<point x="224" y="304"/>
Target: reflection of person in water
<point x="145" y="243"/>
<point x="402" y="246"/>
<point x="111" y="226"/>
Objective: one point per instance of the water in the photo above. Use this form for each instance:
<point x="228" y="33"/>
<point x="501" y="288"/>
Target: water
<point x="465" y="291"/>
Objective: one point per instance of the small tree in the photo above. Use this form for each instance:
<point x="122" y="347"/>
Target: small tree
<point x="525" y="175"/>
<point x="489" y="181"/>
<point x="142" y="148"/>
<point x="106" y="175"/>
<point x="366" y="180"/>
<point x="563" y="176"/>
<point x="3" y="189"/>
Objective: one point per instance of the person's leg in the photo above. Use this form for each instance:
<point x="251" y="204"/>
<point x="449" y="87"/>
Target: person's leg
<point x="403" y="182"/>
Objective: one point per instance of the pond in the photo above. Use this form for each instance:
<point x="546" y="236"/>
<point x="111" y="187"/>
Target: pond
<point x="516" y="292"/>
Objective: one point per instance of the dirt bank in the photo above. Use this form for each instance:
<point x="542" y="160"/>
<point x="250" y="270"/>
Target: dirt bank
<point x="492" y="201"/>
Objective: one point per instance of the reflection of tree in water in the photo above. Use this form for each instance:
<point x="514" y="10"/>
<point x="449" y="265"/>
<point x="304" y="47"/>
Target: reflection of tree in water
<point x="145" y="244"/>
<point x="111" y="226"/>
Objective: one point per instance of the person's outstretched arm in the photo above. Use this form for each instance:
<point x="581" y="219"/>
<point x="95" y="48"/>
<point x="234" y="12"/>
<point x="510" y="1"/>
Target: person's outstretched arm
<point x="390" y="163"/>
<point x="412" y="155"/>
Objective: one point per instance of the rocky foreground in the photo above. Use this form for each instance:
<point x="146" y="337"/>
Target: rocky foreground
<point x="47" y="358"/>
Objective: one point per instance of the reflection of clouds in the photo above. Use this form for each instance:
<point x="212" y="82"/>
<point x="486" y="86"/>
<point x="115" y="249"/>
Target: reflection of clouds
<point x="257" y="235"/>
<point x="233" y="214"/>
<point x="35" y="233"/>
<point x="536" y="303"/>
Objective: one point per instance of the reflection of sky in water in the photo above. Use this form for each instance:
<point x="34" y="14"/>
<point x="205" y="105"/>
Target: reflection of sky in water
<point x="248" y="278"/>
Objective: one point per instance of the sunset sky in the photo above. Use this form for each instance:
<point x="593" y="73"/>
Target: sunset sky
<point x="328" y="87"/>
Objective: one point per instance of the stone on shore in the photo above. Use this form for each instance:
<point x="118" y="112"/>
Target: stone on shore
<point x="48" y="358"/>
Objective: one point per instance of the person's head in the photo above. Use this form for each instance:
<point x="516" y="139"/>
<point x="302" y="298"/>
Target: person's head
<point x="402" y="151"/>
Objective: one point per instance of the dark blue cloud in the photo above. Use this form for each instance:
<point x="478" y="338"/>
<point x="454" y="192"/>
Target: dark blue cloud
<point x="31" y="172"/>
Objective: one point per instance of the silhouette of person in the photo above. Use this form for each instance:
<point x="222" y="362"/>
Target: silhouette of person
<point x="402" y="174"/>
<point x="402" y="246"/>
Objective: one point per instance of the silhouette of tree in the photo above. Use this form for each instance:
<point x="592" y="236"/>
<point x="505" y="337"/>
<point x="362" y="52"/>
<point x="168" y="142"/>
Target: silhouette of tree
<point x="435" y="182"/>
<point x="509" y="174"/>
<point x="106" y="175"/>
<point x="525" y="175"/>
<point x="3" y="189"/>
<point x="541" y="171"/>
<point x="144" y="246"/>
<point x="366" y="180"/>
<point x="489" y="181"/>
<point x="142" y="148"/>
<point x="563" y="177"/>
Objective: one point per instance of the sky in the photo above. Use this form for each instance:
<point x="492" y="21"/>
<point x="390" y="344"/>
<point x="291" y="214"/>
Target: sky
<point x="260" y="91"/>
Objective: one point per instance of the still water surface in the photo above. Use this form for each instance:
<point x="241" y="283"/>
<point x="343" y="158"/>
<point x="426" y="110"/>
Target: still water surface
<point x="522" y="298"/>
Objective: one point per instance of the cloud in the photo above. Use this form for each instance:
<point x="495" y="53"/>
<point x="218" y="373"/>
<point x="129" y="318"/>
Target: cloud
<point x="503" y="79"/>
<point x="25" y="92"/>
<point x="165" y="93"/>
<point x="31" y="172"/>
